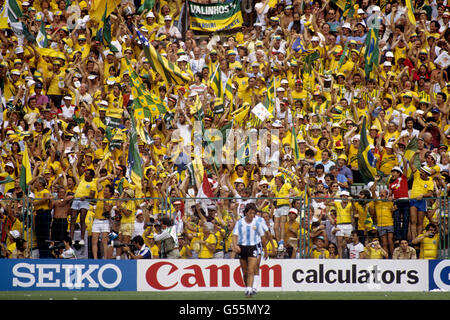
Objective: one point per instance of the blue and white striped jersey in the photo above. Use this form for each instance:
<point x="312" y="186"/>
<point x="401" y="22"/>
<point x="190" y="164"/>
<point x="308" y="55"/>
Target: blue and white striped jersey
<point x="249" y="234"/>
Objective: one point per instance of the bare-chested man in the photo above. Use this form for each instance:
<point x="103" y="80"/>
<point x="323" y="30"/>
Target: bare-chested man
<point x="61" y="209"/>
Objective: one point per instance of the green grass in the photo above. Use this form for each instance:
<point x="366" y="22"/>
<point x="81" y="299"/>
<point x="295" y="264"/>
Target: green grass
<point x="85" y="295"/>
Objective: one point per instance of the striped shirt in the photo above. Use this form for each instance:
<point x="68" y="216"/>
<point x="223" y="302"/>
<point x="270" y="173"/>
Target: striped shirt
<point x="249" y="234"/>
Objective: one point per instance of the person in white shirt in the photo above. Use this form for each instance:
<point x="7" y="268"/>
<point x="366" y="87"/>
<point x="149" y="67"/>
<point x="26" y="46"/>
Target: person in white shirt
<point x="67" y="108"/>
<point x="68" y="252"/>
<point x="197" y="62"/>
<point x="169" y="30"/>
<point x="409" y="130"/>
<point x="139" y="224"/>
<point x="355" y="247"/>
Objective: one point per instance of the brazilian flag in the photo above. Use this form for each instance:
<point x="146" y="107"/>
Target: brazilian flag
<point x="366" y="157"/>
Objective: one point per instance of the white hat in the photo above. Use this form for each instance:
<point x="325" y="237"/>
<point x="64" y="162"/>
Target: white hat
<point x="344" y="193"/>
<point x="19" y="50"/>
<point x="376" y="9"/>
<point x="150" y="15"/>
<point x="397" y="169"/>
<point x="389" y="54"/>
<point x="9" y="164"/>
<point x="139" y="212"/>
<point x="104" y="103"/>
<point x="315" y="38"/>
<point x="356" y="137"/>
<point x="389" y="145"/>
<point x="387" y="64"/>
<point x="361" y="23"/>
<point x="361" y="11"/>
<point x="263" y="182"/>
<point x="68" y="98"/>
<point x="15" y="234"/>
<point x="284" y="81"/>
<point x="280" y="89"/>
<point x="239" y="180"/>
<point x="293" y="210"/>
<point x="346" y="25"/>
<point x="426" y="169"/>
<point x="167" y="18"/>
<point x="183" y="58"/>
<point x="277" y="124"/>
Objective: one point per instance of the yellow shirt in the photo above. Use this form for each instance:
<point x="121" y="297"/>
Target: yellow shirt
<point x="343" y="215"/>
<point x="40" y="195"/>
<point x="383" y="210"/>
<point x="205" y="253"/>
<point x="420" y="186"/>
<point x="282" y="194"/>
<point x="85" y="187"/>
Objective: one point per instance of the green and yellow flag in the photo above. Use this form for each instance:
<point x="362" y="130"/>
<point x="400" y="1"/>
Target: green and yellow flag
<point x="411" y="16"/>
<point x="25" y="171"/>
<point x="215" y="16"/>
<point x="372" y="53"/>
<point x="98" y="8"/>
<point x="170" y="72"/>
<point x="366" y="158"/>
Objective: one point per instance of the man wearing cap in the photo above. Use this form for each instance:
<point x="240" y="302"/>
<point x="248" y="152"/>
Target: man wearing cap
<point x="291" y="231"/>
<point x="422" y="187"/>
<point x="169" y="29"/>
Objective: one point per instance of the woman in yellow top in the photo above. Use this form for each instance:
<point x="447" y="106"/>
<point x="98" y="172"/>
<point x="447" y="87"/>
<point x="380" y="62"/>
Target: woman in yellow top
<point x="42" y="217"/>
<point x="281" y="193"/>
<point x="344" y="212"/>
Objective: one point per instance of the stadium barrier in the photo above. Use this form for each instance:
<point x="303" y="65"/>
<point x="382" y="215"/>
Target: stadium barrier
<point x="24" y="213"/>
<point x="224" y="275"/>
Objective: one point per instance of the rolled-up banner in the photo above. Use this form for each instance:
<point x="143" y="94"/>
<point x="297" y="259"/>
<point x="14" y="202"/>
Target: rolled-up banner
<point x="215" y="16"/>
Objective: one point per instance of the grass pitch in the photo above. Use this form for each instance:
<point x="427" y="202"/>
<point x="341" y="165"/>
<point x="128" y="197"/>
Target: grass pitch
<point x="213" y="296"/>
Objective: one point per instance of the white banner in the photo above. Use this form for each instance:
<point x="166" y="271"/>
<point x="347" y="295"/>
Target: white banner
<point x="284" y="275"/>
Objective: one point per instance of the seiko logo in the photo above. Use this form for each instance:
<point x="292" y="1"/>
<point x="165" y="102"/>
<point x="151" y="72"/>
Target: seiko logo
<point x="72" y="276"/>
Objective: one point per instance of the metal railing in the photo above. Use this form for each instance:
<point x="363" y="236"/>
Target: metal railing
<point x="25" y="213"/>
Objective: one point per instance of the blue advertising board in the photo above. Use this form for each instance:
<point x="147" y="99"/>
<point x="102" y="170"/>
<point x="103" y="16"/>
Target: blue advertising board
<point x="439" y="275"/>
<point x="55" y="274"/>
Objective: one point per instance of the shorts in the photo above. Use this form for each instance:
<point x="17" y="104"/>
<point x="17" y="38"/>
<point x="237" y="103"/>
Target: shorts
<point x="126" y="229"/>
<point x="345" y="230"/>
<point x="385" y="230"/>
<point x="100" y="226"/>
<point x="248" y="252"/>
<point x="78" y="205"/>
<point x="421" y="205"/>
<point x="281" y="211"/>
<point x="259" y="247"/>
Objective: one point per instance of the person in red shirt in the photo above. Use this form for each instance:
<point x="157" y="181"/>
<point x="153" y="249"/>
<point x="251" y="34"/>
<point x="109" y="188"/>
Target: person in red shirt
<point x="398" y="191"/>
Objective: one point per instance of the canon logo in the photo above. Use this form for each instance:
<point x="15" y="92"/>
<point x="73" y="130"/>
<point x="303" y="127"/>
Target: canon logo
<point x="165" y="275"/>
<point x="355" y="275"/>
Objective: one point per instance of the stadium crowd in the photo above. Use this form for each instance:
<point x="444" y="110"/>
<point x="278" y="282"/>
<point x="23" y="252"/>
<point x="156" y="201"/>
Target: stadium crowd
<point x="68" y="109"/>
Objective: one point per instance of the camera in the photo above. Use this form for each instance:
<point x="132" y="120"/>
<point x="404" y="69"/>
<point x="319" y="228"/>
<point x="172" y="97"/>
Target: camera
<point x="55" y="246"/>
<point x="118" y="244"/>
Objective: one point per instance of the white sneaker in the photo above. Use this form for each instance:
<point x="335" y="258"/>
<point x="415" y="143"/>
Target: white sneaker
<point x="281" y="247"/>
<point x="81" y="243"/>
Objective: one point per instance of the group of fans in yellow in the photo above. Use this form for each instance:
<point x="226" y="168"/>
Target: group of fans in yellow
<point x="104" y="102"/>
